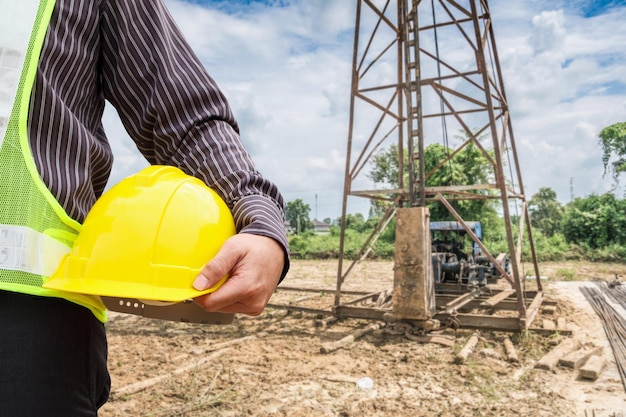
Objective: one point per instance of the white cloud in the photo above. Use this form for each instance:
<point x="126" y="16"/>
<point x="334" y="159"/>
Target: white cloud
<point x="549" y="33"/>
<point x="286" y="71"/>
<point x="564" y="95"/>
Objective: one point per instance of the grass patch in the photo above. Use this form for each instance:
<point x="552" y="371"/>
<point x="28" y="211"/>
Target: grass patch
<point x="565" y="274"/>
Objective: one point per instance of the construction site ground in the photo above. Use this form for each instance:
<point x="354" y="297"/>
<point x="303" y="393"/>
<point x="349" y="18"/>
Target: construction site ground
<point x="273" y="365"/>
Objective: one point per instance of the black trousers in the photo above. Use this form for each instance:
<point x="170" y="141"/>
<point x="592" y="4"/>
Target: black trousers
<point x="53" y="358"/>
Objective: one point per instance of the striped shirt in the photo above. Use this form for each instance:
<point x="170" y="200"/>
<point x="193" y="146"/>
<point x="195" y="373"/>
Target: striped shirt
<point x="131" y="54"/>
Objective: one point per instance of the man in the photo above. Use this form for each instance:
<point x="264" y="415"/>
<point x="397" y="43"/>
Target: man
<point x="59" y="62"/>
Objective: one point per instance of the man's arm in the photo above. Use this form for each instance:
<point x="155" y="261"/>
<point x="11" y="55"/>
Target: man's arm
<point x="177" y="115"/>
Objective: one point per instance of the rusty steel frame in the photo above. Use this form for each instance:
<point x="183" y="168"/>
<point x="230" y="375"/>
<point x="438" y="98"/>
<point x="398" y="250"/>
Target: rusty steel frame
<point x="416" y="42"/>
<point x="400" y="109"/>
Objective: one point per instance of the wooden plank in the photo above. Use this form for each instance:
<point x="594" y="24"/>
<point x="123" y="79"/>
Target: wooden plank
<point x="480" y="321"/>
<point x="593" y="368"/>
<point x="532" y="310"/>
<point x="507" y="304"/>
<point x="578" y="358"/>
<point x="343" y="311"/>
<point x="462" y="300"/>
<point x="511" y="353"/>
<point x="496" y="299"/>
<point x="467" y="349"/>
<point x="551" y="359"/>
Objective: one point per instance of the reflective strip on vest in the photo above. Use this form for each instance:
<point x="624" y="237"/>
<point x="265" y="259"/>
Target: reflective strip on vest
<point x="21" y="246"/>
<point x="16" y="21"/>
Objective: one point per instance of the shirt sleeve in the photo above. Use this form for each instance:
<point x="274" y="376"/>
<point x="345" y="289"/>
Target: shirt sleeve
<point x="177" y="115"/>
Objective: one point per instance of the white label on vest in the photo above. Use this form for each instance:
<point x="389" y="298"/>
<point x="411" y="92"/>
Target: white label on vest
<point x="25" y="249"/>
<point x="16" y="25"/>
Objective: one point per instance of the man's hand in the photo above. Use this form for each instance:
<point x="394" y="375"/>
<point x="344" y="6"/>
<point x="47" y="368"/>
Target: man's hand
<point x="254" y="264"/>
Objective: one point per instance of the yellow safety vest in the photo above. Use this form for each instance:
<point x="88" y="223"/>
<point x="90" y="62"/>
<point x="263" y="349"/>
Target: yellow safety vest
<point x="35" y="230"/>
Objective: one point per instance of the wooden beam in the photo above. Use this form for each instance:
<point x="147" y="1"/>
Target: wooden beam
<point x="496" y="299"/>
<point x="532" y="310"/>
<point x="479" y="321"/>
<point x="464" y="299"/>
<point x="344" y="311"/>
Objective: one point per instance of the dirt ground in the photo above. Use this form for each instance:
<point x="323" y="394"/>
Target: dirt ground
<point x="273" y="365"/>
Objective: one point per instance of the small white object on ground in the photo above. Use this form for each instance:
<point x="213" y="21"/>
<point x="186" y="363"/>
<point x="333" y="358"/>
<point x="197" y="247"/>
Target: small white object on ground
<point x="366" y="383"/>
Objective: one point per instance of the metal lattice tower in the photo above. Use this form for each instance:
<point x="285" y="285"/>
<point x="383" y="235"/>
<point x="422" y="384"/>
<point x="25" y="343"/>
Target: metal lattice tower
<point x="423" y="70"/>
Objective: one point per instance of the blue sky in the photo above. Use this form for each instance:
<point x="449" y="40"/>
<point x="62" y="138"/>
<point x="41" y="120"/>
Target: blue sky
<point x="597" y="7"/>
<point x="285" y="67"/>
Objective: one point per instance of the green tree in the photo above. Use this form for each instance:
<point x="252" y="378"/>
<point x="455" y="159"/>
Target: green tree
<point x="597" y="221"/>
<point x="297" y="213"/>
<point x="468" y="166"/>
<point x="355" y="221"/>
<point x="385" y="167"/>
<point x="545" y="211"/>
<point x="385" y="170"/>
<point x="613" y="141"/>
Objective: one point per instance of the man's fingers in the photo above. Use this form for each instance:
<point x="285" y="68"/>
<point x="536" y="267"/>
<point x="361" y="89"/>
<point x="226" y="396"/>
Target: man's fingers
<point x="253" y="264"/>
<point x="227" y="300"/>
<point x="216" y="269"/>
<point x="217" y="302"/>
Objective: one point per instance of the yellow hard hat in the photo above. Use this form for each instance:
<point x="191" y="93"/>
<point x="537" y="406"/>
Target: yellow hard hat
<point x="147" y="237"/>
